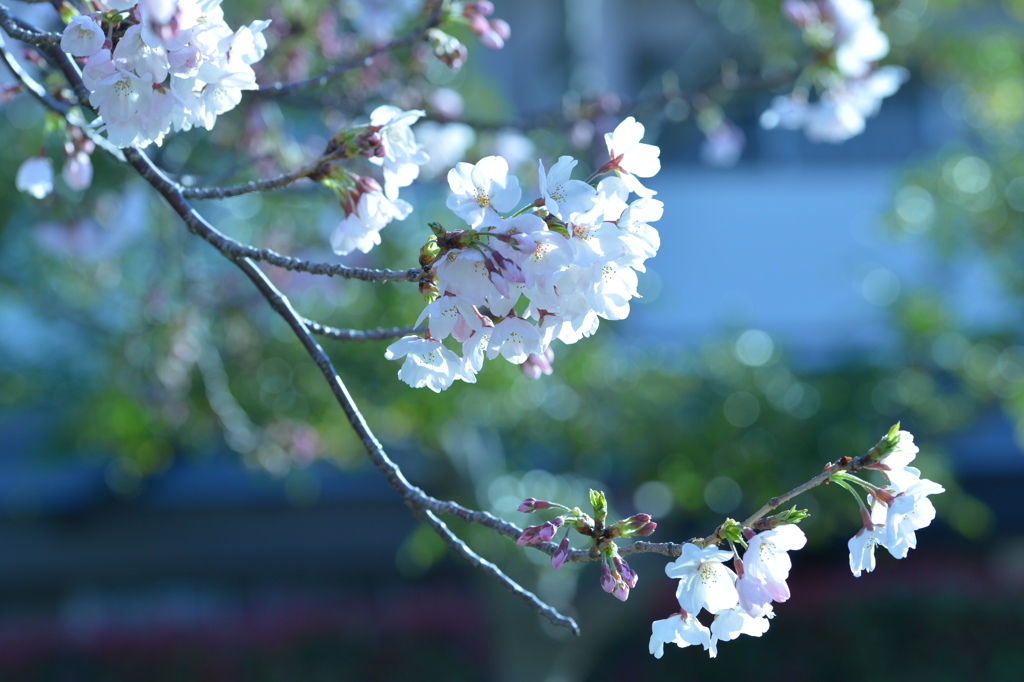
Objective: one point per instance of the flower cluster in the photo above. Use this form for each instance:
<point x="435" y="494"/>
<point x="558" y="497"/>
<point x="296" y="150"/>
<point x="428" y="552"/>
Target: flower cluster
<point x="897" y="510"/>
<point x="516" y="280"/>
<point x="35" y="174"/>
<point x="739" y="601"/>
<point x="850" y="89"/>
<point x="388" y="142"/>
<point x="159" y="65"/>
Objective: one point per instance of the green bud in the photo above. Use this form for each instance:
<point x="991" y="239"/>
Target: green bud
<point x="600" y="504"/>
<point x="559" y="227"/>
<point x="793" y="515"/>
<point x="429" y="290"/>
<point x="732" y="531"/>
<point x="429" y="252"/>
<point x="893" y="437"/>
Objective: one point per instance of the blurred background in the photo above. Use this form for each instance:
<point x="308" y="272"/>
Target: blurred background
<point x="181" y="499"/>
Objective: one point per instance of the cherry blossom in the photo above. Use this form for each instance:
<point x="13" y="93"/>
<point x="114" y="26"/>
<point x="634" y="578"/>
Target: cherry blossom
<point x="564" y="197"/>
<point x="731" y="623"/>
<point x="186" y="74"/>
<point x="767" y="560"/>
<point x="402" y="155"/>
<point x="704" y="583"/>
<point x="83" y="37"/>
<point x="683" y="630"/>
<point x="850" y="89"/>
<point x="631" y="157"/>
<point x="35" y="176"/>
<point x="908" y="512"/>
<point x="360" y="229"/>
<point x="427" y="363"/>
<point x="862" y="549"/>
<point x="481" y="191"/>
<point x="550" y="271"/>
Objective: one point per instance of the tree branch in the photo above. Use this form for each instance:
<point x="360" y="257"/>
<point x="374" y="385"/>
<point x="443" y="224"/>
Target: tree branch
<point x="380" y="334"/>
<point x="463" y="550"/>
<point x="363" y="59"/>
<point x="278" y="182"/>
<point x="25" y="32"/>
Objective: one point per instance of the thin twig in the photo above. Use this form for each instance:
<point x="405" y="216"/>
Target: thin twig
<point x="463" y="550"/>
<point x="379" y="334"/>
<point x="358" y="61"/>
<point x="278" y="182"/>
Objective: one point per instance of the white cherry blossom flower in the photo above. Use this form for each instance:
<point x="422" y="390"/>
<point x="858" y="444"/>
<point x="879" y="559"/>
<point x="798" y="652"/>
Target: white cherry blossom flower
<point x="631" y="157"/>
<point x="681" y="630"/>
<point x="862" y="551"/>
<point x="83" y="37"/>
<point x="35" y="176"/>
<point x="427" y="363"/>
<point x="564" y="197"/>
<point x="360" y="230"/>
<point x="908" y="512"/>
<point x="481" y="191"/>
<point x="767" y="558"/>
<point x="754" y="596"/>
<point x="402" y="155"/>
<point x="731" y="623"/>
<point x="133" y="54"/>
<point x="704" y="583"/>
<point x="515" y="339"/>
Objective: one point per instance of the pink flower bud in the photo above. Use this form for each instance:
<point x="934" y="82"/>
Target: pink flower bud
<point x="501" y="27"/>
<point x="491" y="39"/>
<point x="620" y="591"/>
<point x="628" y="575"/>
<point x="647" y="529"/>
<point x="541" y="532"/>
<point x="532" y="504"/>
<point x="479" y="25"/>
<point x="607" y="581"/>
<point x="562" y="555"/>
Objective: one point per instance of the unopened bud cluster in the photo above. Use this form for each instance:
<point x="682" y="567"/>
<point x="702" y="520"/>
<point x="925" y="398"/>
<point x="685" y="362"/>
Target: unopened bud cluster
<point x="616" y="577"/>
